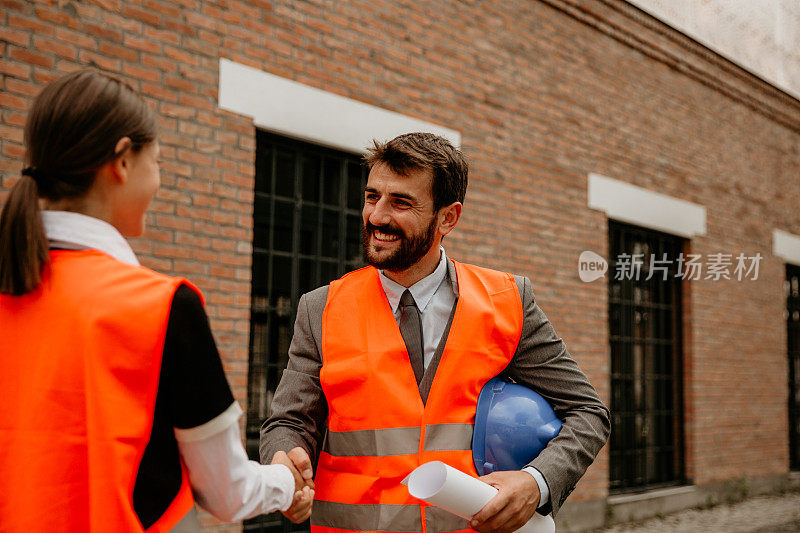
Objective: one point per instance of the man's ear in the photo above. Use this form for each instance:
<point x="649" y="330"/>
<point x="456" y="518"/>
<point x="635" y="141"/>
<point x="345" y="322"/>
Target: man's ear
<point x="448" y="217"/>
<point x="120" y="164"/>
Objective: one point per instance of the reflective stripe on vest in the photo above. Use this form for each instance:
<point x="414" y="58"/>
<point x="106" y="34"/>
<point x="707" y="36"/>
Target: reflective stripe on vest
<point x="79" y="374"/>
<point x="384" y="517"/>
<point x="378" y="428"/>
<point x="370" y="517"/>
<point x="398" y="441"/>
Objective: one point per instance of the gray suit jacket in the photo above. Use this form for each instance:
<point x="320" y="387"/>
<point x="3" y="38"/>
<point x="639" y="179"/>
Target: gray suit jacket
<point x="541" y="362"/>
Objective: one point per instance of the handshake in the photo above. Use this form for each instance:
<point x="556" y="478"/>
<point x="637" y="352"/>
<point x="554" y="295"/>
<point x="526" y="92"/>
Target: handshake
<point x="298" y="462"/>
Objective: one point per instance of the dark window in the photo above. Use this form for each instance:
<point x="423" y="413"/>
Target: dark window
<point x="306" y="233"/>
<point x="793" y="326"/>
<point x="646" y="448"/>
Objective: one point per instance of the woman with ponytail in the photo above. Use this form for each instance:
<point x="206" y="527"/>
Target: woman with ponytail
<point x="116" y="410"/>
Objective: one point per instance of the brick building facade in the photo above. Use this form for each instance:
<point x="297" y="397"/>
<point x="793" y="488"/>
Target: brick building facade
<point x="545" y="96"/>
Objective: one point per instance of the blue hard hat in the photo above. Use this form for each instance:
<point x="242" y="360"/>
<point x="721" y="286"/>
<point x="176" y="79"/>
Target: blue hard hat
<point x="513" y="424"/>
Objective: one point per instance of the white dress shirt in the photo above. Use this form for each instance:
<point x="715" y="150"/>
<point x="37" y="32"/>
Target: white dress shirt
<point x="435" y="298"/>
<point x="223" y="480"/>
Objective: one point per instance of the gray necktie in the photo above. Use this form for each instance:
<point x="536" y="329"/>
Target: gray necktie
<point x="411" y="330"/>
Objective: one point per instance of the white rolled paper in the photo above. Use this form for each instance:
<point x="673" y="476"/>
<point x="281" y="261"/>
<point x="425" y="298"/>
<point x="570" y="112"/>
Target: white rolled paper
<point x="454" y="491"/>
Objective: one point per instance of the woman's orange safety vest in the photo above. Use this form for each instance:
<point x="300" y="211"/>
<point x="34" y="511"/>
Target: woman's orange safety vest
<point x="80" y="359"/>
<point x="378" y="428"/>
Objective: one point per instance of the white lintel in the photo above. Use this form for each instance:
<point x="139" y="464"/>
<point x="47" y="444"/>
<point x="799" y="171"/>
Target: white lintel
<point x="642" y="207"/>
<point x="296" y="110"/>
<point x="786" y="246"/>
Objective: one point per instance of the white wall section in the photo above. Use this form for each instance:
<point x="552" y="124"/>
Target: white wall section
<point x="635" y="205"/>
<point x="290" y="108"/>
<point x="760" y="35"/>
<point x="786" y="246"/>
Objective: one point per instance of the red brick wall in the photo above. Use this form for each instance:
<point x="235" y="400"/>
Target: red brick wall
<point x="543" y="92"/>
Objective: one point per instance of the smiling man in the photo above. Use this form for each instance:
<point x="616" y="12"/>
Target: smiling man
<point x="387" y="363"/>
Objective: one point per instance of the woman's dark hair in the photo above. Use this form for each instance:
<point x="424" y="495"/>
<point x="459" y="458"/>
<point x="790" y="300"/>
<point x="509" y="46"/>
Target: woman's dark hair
<point x="425" y="151"/>
<point x="72" y="130"/>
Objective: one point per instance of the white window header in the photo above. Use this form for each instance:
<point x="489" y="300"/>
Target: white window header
<point x="786" y="246"/>
<point x="303" y="112"/>
<point x="635" y="205"/>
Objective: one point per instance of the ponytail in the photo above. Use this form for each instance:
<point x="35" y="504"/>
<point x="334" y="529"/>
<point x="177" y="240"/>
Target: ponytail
<point x="23" y="243"/>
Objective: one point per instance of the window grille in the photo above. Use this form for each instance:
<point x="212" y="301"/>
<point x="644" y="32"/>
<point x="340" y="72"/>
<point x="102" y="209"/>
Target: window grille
<point x="793" y="330"/>
<point x="646" y="448"/>
<point x="306" y="233"/>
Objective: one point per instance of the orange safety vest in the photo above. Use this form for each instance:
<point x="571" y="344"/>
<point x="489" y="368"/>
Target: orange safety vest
<point x="80" y="359"/>
<point x="378" y="428"/>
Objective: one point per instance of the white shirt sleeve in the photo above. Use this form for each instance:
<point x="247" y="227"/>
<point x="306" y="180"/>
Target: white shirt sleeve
<point x="544" y="490"/>
<point x="224" y="481"/>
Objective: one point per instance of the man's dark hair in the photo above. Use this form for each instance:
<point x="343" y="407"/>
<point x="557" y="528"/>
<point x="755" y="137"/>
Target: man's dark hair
<point x="413" y="151"/>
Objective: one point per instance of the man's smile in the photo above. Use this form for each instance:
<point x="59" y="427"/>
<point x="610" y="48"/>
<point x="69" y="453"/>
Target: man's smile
<point x="384" y="237"/>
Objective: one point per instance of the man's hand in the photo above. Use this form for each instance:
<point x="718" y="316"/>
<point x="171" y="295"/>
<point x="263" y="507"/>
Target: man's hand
<point x="512" y="507"/>
<point x="299" y="464"/>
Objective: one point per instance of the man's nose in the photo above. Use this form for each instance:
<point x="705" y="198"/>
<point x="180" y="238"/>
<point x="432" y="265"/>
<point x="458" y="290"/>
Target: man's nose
<point x="380" y="216"/>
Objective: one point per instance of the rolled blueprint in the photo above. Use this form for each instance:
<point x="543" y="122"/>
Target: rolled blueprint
<point x="454" y="491"/>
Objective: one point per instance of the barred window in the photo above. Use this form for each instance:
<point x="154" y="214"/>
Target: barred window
<point x="306" y="233"/>
<point x="793" y="330"/>
<point x="646" y="448"/>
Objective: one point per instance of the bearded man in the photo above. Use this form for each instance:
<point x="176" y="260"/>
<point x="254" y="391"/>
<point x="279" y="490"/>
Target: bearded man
<point x="387" y="362"/>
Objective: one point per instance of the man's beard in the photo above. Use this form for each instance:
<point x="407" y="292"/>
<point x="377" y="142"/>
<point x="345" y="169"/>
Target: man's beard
<point x="411" y="249"/>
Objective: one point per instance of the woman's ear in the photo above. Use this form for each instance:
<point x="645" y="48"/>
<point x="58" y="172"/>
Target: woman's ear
<point x="121" y="164"/>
